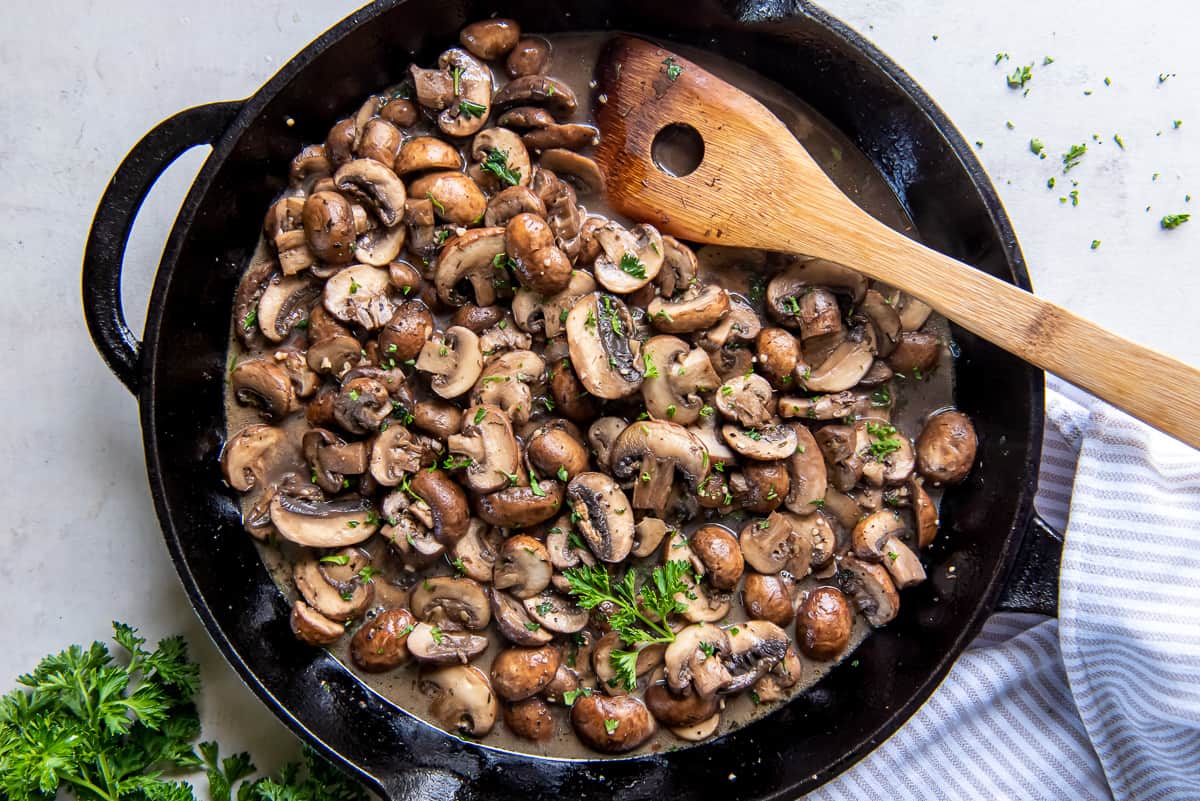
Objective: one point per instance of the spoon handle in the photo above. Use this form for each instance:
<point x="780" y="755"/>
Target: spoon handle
<point x="1149" y="385"/>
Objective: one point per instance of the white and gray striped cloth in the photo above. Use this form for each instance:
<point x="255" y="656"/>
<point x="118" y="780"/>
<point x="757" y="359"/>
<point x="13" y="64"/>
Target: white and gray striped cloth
<point x="1104" y="702"/>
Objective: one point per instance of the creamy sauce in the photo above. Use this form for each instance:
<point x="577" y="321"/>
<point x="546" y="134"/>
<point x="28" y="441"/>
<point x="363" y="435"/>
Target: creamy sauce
<point x="573" y="61"/>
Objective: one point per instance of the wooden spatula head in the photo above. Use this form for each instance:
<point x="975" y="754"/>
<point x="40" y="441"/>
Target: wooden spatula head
<point x="753" y="170"/>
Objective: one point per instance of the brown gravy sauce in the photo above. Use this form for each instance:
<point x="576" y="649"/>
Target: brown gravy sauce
<point x="573" y="61"/>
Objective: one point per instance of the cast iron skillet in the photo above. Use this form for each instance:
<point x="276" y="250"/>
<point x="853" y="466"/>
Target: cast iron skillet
<point x="1003" y="556"/>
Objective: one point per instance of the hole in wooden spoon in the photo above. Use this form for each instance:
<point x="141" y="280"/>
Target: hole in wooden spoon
<point x="677" y="149"/>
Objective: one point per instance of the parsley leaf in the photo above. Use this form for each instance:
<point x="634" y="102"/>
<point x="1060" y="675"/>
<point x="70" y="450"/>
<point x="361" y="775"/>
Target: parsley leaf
<point x="1174" y="220"/>
<point x="497" y="164"/>
<point x="633" y="266"/>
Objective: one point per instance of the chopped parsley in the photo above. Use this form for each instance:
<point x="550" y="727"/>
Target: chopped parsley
<point x="1174" y="220"/>
<point x="479" y="415"/>
<point x="459" y="567"/>
<point x="562" y="473"/>
<point x="1037" y="148"/>
<point x="1072" y="157"/>
<point x="651" y="371"/>
<point x="437" y="634"/>
<point x="886" y="441"/>
<point x="633" y="266"/>
<point x="250" y="319"/>
<point x="535" y="486"/>
<point x="338" y="559"/>
<point x="571" y="696"/>
<point x="611" y="725"/>
<point x="436" y="204"/>
<point x="532" y="626"/>
<point x="673" y="71"/>
<point x="1020" y="76"/>
<point x="469" y="108"/>
<point x="497" y="164"/>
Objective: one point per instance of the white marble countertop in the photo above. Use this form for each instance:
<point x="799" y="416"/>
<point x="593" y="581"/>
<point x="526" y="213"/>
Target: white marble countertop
<point x="84" y="80"/>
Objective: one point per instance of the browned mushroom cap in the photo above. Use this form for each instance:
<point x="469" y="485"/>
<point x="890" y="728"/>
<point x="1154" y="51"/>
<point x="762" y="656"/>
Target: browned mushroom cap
<point x="447" y="503"/>
<point x="455" y="197"/>
<point x="767" y="444"/>
<point x="649" y="452"/>
<point x="556" y="613"/>
<point x="381" y="643"/>
<point x="523" y="567"/>
<point x="514" y="624"/>
<point x="490" y="39"/>
<point x="489" y="445"/>
<point x="375" y="186"/>
<point x="605" y="519"/>
<point x="747" y="399"/>
<point x="431" y="645"/>
<point x="539" y="264"/>
<point x="451" y="603"/>
<point x="768" y="598"/>
<point x="339" y="603"/>
<point x="331" y="459"/>
<point x="815" y="314"/>
<point x="537" y="90"/>
<point x="612" y="724"/>
<point x="469" y="258"/>
<point x="463" y="700"/>
<point x="889" y="457"/>
<point x="696" y="309"/>
<point x="405" y="333"/>
<point x="679" y="709"/>
<point x="807" y="473"/>
<point x="322" y="524"/>
<point x="510" y="202"/>
<point x="766" y="544"/>
<point x="312" y="627"/>
<point x="675" y="375"/>
<point x="718" y="550"/>
<point x="946" y="448"/>
<point x="755" y="647"/>
<point x="334" y="355"/>
<point x="788" y="286"/>
<point x="264" y="385"/>
<point x="453" y="359"/>
<point x="844" y="367"/>
<point x="379" y="140"/>
<point x="329" y="227"/>
<point x="466" y="109"/>
<point x="823" y="624"/>
<point x="925" y="512"/>
<point x="521" y="506"/>
<point x="250" y="456"/>
<point x="598" y="334"/>
<point x="760" y="487"/>
<point x="310" y="164"/>
<point x="283" y="304"/>
<point x="423" y="153"/>
<point x="696" y="658"/>
<point x="525" y="117"/>
<point x="553" y="450"/>
<point x="871" y="588"/>
<point x="915" y="351"/>
<point x="834" y="406"/>
<point x="884" y="320"/>
<point x="519" y="673"/>
<point x="530" y="719"/>
<point x="778" y="354"/>
<point x="530" y="57"/>
<point x="879" y="538"/>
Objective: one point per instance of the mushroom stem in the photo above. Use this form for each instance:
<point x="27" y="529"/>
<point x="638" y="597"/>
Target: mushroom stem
<point x="652" y="485"/>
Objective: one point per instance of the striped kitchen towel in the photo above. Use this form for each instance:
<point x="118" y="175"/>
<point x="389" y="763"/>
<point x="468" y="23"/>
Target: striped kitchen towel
<point x="1104" y="702"/>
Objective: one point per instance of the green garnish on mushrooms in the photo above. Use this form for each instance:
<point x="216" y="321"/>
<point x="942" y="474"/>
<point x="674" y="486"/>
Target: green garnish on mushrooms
<point x="633" y="266"/>
<point x="497" y="164"/>
<point x="471" y="109"/>
<point x="673" y="71"/>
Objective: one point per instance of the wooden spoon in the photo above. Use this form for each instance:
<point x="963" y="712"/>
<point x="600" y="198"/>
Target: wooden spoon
<point x="757" y="187"/>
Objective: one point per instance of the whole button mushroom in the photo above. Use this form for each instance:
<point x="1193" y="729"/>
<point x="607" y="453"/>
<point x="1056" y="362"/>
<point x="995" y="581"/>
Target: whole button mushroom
<point x="529" y="718"/>
<point x="311" y="627"/>
<point x="538" y="262"/>
<point x="768" y="598"/>
<point x="553" y="450"/>
<point x="380" y="644"/>
<point x="823" y="623"/>
<point x="405" y="333"/>
<point x="946" y="448"/>
<point x="718" y="550"/>
<point x="491" y="38"/>
<point x="519" y="673"/>
<point x="530" y="56"/>
<point x="329" y="227"/>
<point x="612" y="724"/>
<point x="463" y="700"/>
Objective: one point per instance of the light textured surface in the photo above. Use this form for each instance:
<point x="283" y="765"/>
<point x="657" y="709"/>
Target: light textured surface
<point x="83" y="81"/>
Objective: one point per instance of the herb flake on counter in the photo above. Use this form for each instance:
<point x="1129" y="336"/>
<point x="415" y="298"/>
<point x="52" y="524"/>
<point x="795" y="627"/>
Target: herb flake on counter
<point x="1047" y="61"/>
<point x="1037" y="148"/>
<point x="1073" y="156"/>
<point x="1120" y="142"/>
<point x="1095" y="244"/>
<point x="1174" y="220"/>
<point x="1019" y="77"/>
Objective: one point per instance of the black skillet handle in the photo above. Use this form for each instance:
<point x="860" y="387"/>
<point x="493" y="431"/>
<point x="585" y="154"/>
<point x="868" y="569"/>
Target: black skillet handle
<point x="105" y="253"/>
<point x="426" y="784"/>
<point x="1033" y="583"/>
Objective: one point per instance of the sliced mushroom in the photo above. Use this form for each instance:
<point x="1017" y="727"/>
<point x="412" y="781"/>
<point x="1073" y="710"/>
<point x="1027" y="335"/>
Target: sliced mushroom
<point x="686" y="708"/>
<point x="649" y="452"/>
<point x="598" y="334"/>
<point x="331" y="601"/>
<point x="648" y="535"/>
<point x="766" y="545"/>
<point x="696" y="658"/>
<point x="884" y="319"/>
<point x="453" y="359"/>
<point x="946" y="448"/>
<point x="360" y="294"/>
<point x="430" y="645"/>
<point x="586" y="176"/>
<point x="461" y="89"/>
<point x="807" y="473"/>
<point x="500" y="159"/>
<point x="455" y="198"/>
<point x="925" y="511"/>
<point x="514" y="624"/>
<point x="871" y="588"/>
<point x="549" y="315"/>
<point x="283" y="304"/>
<point x="612" y="724"/>
<point x="374" y="185"/>
<point x="447" y="504"/>
<point x="510" y="202"/>
<point x="322" y="524"/>
<point x="463" y="700"/>
<point x="556" y="613"/>
<point x="844" y="367"/>
<point x="789" y="285"/>
<point x="526" y="117"/>
<point x="698" y="308"/>
<point x="487" y="440"/>
<point x="251" y="455"/>
<point x="823" y="624"/>
<point x="602" y="435"/>
<point x="334" y="355"/>
<point x="530" y="718"/>
<point x="506" y="382"/>
<point x="879" y="538"/>
<point x="382" y="643"/>
<point x="264" y="385"/>
<point x="748" y="399"/>
<point x="755" y="647"/>
<point x="523" y="567"/>
<point x="312" y="627"/>
<point x="331" y="459"/>
<point x="570" y="136"/>
<point x="361" y="404"/>
<point x="605" y="519"/>
<point x="536" y="90"/>
<point x="768" y="443"/>
<point x="916" y="352"/>
<point x="675" y="375"/>
<point x="452" y="604"/>
<point x="519" y="673"/>
<point x="475" y="554"/>
<point x="702" y="604"/>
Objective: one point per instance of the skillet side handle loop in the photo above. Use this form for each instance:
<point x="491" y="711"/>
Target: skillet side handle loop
<point x="1032" y="585"/>
<point x="104" y="256"/>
